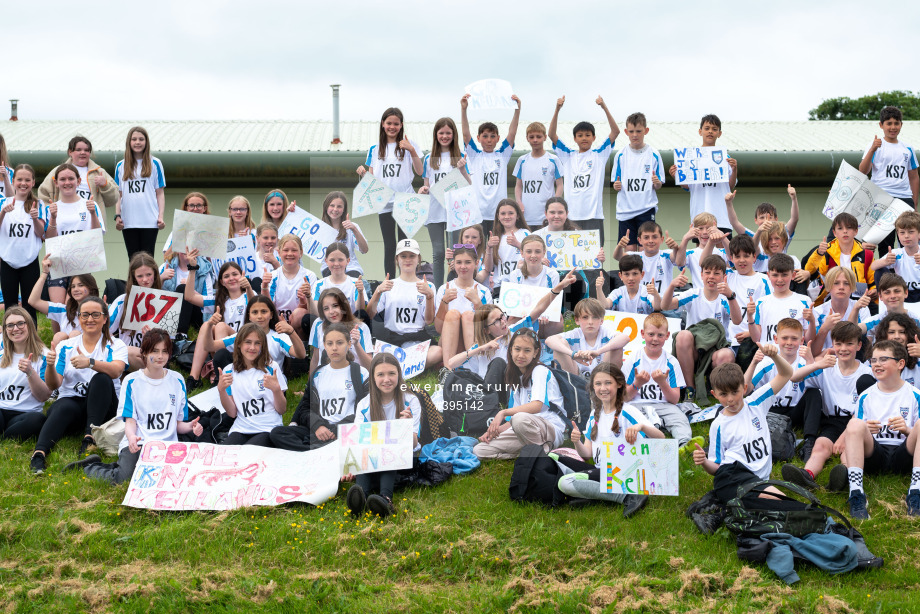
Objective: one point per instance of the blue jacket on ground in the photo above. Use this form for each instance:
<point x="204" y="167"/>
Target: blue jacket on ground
<point x="831" y="552"/>
<point x="456" y="450"/>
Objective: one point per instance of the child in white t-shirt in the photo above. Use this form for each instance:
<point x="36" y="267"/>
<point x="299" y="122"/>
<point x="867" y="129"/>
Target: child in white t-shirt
<point x="592" y="341"/>
<point x="638" y="174"/>
<point x="538" y="177"/>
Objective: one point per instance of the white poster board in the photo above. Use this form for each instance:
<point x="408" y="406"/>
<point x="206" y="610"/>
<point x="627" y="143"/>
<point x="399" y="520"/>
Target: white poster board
<point x="241" y="251"/>
<point x="518" y="300"/>
<point x="369" y="196"/>
<point x="874" y="209"/>
<point x="570" y="249"/>
<point x="453" y="180"/>
<point x="314" y="233"/>
<point x="207" y="400"/>
<point x="412" y="358"/>
<point x="154" y="308"/>
<point x="701" y="165"/>
<point x="368" y="447"/>
<point x="647" y="467"/>
<point x="206" y="233"/>
<point x="202" y="476"/>
<point x="631" y="324"/>
<point x="462" y="208"/>
<point x="76" y="253"/>
<point x="490" y="94"/>
<point x="411" y="212"/>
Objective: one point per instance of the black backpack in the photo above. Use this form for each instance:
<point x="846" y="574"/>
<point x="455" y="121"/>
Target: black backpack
<point x="468" y="407"/>
<point x="751" y="516"/>
<point x="781" y="436"/>
<point x="535" y="478"/>
<point x="575" y="400"/>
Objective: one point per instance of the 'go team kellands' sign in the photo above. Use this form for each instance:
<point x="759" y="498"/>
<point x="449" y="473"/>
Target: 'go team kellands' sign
<point x="153" y="308"/>
<point x="314" y="233"/>
<point x="569" y="249"/>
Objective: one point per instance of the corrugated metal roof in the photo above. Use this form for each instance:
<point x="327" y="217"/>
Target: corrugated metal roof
<point x="316" y="136"/>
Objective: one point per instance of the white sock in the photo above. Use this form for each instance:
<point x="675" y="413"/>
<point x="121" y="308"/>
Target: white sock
<point x="915" y="479"/>
<point x="855" y="475"/>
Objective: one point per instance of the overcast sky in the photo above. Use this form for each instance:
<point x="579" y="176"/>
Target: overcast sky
<point x="193" y="59"/>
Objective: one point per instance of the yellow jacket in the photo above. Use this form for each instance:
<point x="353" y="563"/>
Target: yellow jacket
<point x="860" y="260"/>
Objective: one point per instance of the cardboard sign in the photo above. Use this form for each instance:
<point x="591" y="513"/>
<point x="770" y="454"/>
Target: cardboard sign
<point x="631" y="324"/>
<point x="370" y="196"/>
<point x="241" y="251"/>
<point x="647" y="467"/>
<point x="203" y="476"/>
<point x="314" y="233"/>
<point x="490" y="94"/>
<point x="462" y="208"/>
<point x="76" y="253"/>
<point x="411" y="212"/>
<point x="154" y="308"/>
<point x="368" y="447"/>
<point x="206" y="233"/>
<point x="701" y="165"/>
<point x="453" y="180"/>
<point x="874" y="209"/>
<point x="412" y="359"/>
<point x="569" y="249"/>
<point x="518" y="300"/>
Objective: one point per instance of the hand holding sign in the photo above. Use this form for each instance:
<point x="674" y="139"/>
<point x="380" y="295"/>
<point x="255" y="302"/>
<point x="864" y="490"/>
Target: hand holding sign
<point x="148" y="306"/>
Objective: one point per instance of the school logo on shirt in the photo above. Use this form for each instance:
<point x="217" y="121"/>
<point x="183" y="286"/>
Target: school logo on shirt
<point x="905" y="411"/>
<point x="348" y="384"/>
<point x="750" y="292"/>
<point x="756" y="422"/>
<point x="419" y="298"/>
<point x="83" y="216"/>
<point x="855" y="397"/>
<point x="498" y="164"/>
<point x="589" y="164"/>
<point x="261" y="383"/>
<point x="544" y="169"/>
<point x="717" y="156"/>
<point x="793" y="312"/>
<point x="172" y="399"/>
<point x="648" y="168"/>
<point x="239" y="310"/>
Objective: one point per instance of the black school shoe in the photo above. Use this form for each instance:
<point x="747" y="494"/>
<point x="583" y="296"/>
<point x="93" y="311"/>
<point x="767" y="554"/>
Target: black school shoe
<point x="37" y="463"/>
<point x="380" y="506"/>
<point x="839" y="479"/>
<point x="92" y="459"/>
<point x="798" y="476"/>
<point x="355" y="500"/>
<point x="87" y="445"/>
<point x="633" y="504"/>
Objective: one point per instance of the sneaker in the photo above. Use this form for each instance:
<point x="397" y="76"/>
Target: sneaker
<point x="355" y="500"/>
<point x="54" y="394"/>
<point x="913" y="502"/>
<point x="690" y="446"/>
<point x="87" y="445"/>
<point x="807" y="446"/>
<point x="633" y="504"/>
<point x="380" y="506"/>
<point x="857" y="503"/>
<point x="191" y="383"/>
<point x="92" y="459"/>
<point x="799" y="476"/>
<point x="839" y="479"/>
<point x="691" y="394"/>
<point x="37" y="464"/>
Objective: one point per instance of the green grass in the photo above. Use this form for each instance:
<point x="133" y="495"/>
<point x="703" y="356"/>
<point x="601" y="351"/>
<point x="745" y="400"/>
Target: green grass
<point x="67" y="545"/>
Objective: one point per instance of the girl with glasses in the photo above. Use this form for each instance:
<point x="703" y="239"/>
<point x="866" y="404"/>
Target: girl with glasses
<point x="141" y="184"/>
<point x="63" y="316"/>
<point x="241" y="224"/>
<point x="456" y="301"/>
<point x="22" y="370"/>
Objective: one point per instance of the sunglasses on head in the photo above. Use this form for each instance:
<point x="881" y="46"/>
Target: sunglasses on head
<point x="464" y="245"/>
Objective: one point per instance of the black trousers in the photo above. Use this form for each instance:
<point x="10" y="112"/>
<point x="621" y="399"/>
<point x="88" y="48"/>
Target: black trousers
<point x="73" y="414"/>
<point x="19" y="282"/>
<point x="20" y="424"/>
<point x="806" y="413"/>
<point x="381" y="482"/>
<point x="297" y="438"/>
<point x="140" y="240"/>
<point x="391" y="233"/>
<point x="189" y="315"/>
<point x="252" y="439"/>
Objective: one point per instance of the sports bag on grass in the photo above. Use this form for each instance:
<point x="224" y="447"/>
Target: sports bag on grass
<point x="576" y="405"/>
<point x="468" y="406"/>
<point x="750" y="516"/>
<point x="781" y="436"/>
<point x="108" y="436"/>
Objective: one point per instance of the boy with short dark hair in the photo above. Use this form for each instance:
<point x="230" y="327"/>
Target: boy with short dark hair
<point x="906" y="259"/>
<point x="488" y="166"/>
<point x="891" y="163"/>
<point x="657" y="265"/>
<point x="632" y="296"/>
<point x="844" y="251"/>
<point x="781" y="303"/>
<point x="881" y="437"/>
<point x="538" y="177"/>
<point x="704" y="230"/>
<point x="637" y="175"/>
<point x="749" y="285"/>
<point x="583" y="169"/>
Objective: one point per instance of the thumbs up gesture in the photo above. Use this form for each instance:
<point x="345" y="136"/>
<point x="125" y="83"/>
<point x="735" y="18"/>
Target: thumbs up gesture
<point x="623" y="242"/>
<point x="348" y="224"/>
<point x="493" y="240"/>
<point x="876" y="143"/>
<point x="196" y="427"/>
<point x="671" y="243"/>
<point x="790" y="190"/>
<point x="730" y="197"/>
<point x="25" y="365"/>
<point x="656" y="182"/>
<point x="406" y="144"/>
<point x="386" y="286"/>
<point x="890" y="257"/>
<point x="822" y="247"/>
<point x="271" y="382"/>
<point x="699" y="455"/>
<point x="576" y="433"/>
<point x="913" y="349"/>
<point x="80" y="361"/>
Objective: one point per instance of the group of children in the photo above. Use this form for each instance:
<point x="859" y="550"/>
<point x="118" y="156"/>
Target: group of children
<point x="767" y="332"/>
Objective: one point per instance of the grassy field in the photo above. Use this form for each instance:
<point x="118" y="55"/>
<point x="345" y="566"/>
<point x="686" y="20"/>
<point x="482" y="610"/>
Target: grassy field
<point x="66" y="545"/>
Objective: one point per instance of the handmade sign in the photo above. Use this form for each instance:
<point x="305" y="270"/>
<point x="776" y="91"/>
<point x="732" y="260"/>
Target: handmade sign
<point x="453" y="180"/>
<point x="462" y="208"/>
<point x="570" y="249"/>
<point x="241" y="251"/>
<point x="705" y="415"/>
<point x="490" y="94"/>
<point x="203" y="476"/>
<point x="647" y="467"/>
<point x="207" y="400"/>
<point x="411" y="212"/>
<point x="370" y="196"/>
<point x="76" y="253"/>
<point x="206" y="233"/>
<point x="517" y="300"/>
<point x="874" y="209"/>
<point x="701" y="165"/>
<point x="368" y="447"/>
<point x="154" y="308"/>
<point x="411" y="358"/>
<point x="314" y="233"/>
<point x="631" y="324"/>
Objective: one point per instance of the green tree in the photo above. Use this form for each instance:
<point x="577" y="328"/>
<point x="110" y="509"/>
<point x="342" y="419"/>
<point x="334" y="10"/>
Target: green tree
<point x="867" y="107"/>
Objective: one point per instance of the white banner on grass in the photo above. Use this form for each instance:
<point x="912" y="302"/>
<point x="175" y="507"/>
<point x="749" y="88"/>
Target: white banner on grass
<point x="570" y="249"/>
<point x="647" y="467"/>
<point x="518" y="300"/>
<point x="490" y="94"/>
<point x="207" y="400"/>
<point x="76" y="253"/>
<point x="203" y="476"/>
<point x="315" y="234"/>
<point x="411" y="211"/>
<point x="701" y="165"/>
<point x="462" y="208"/>
<point x="154" y="308"/>
<point x="369" y="196"/>
<point x="874" y="209"/>
<point x="368" y="447"/>
<point x="631" y="324"/>
<point x="411" y="358"/>
<point x="241" y="251"/>
<point x="453" y="180"/>
<point x="206" y="233"/>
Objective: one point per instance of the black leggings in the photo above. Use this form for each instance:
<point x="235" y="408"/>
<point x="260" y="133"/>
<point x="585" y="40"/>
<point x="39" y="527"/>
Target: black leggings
<point x="390" y="232"/>
<point x="20" y="424"/>
<point x="16" y="282"/>
<point x="72" y="414"/>
<point x="140" y="240"/>
<point x="381" y="482"/>
<point x="252" y="439"/>
<point x="189" y="315"/>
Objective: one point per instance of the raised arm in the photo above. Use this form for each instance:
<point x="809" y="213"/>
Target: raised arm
<point x="732" y="215"/>
<point x="551" y="131"/>
<point x="464" y="120"/>
<point x="35" y="297"/>
<point x="614" y="129"/>
<point x="667" y="300"/>
<point x="679" y="255"/>
<point x="793" y="210"/>
<point x="545" y="300"/>
<point x="783" y="368"/>
<point x="191" y="295"/>
<point x="749" y="374"/>
<point x="512" y="129"/>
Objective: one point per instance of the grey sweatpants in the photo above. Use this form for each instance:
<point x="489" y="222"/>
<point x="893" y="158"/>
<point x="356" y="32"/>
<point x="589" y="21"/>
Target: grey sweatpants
<point x="579" y="485"/>
<point x="117" y="472"/>
<point x="673" y="419"/>
<point x="525" y="429"/>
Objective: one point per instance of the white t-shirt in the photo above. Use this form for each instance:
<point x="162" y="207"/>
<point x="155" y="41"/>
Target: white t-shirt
<point x="461" y="303"/>
<point x="698" y="307"/>
<point x="353" y="250"/>
<point x="547" y="278"/>
<point x="577" y="343"/>
<point x="747" y="287"/>
<point x="538" y="184"/>
<point x="890" y="165"/>
<point x="640" y="303"/>
<point x="508" y="257"/>
<point x="629" y="416"/>
<point x="158" y="405"/>
<point x="283" y="291"/>
<point x="824" y="309"/>
<point x="363" y="413"/>
<point x="710" y="198"/>
<point x="436" y="211"/>
<point x="745" y="437"/>
<point x="911" y="376"/>
<point x="489" y="172"/>
<point x="872" y="322"/>
<point x="694" y="257"/>
<point x="874" y="404"/>
<point x="771" y="309"/>
<point x="57" y="312"/>
<point x="233" y="311"/>
<point x="139" y="207"/>
<point x="15" y="392"/>
<point x="479" y="363"/>
<point x="658" y="269"/>
<point x="73" y="217"/>
<point x="74" y="382"/>
<point x="279" y="346"/>
<point x="364" y="339"/>
<point x="635" y="168"/>
<point x="351" y="288"/>
<point x="904" y="265"/>
<point x="19" y="246"/>
<point x="404" y="307"/>
<point x="651" y="391"/>
<point x="762" y="263"/>
<point x="396" y="174"/>
<point x="83" y="190"/>
<point x="791" y="393"/>
<point x="543" y="387"/>
<point x="336" y="392"/>
<point x="838" y="391"/>
<point x="255" y="404"/>
<point x="583" y="179"/>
